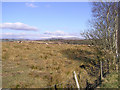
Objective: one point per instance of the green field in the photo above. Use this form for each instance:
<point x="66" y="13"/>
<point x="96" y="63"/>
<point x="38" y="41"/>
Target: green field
<point x="111" y="81"/>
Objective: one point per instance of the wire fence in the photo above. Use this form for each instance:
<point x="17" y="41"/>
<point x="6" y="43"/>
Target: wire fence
<point x="70" y="83"/>
<point x="93" y="70"/>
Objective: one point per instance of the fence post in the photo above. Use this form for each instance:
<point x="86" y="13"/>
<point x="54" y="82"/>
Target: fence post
<point x="108" y="66"/>
<point x="76" y="80"/>
<point x="87" y="86"/>
<point x="118" y="41"/>
<point x="55" y="87"/>
<point x="101" y="74"/>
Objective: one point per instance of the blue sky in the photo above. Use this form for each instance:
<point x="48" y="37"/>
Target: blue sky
<point x="37" y="20"/>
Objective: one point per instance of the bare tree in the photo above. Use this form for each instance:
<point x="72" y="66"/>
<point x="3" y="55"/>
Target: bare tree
<point x="103" y="30"/>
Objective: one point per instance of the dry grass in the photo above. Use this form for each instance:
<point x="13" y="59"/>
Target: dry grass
<point x="33" y="65"/>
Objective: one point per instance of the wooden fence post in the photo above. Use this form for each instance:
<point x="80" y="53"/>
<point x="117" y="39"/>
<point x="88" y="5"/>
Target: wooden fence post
<point x="87" y="86"/>
<point x="101" y="74"/>
<point x="55" y="87"/>
<point x="76" y="80"/>
<point x="118" y="43"/>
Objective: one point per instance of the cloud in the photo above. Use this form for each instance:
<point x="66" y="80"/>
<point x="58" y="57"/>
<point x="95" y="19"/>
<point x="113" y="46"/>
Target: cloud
<point x="46" y="35"/>
<point x="17" y="26"/>
<point x="32" y="0"/>
<point x="31" y="5"/>
<point x="13" y="35"/>
<point x="61" y="33"/>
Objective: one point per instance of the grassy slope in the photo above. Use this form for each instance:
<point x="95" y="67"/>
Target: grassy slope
<point x="40" y="65"/>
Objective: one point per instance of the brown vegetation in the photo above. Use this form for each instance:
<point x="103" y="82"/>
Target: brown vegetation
<point x="33" y="65"/>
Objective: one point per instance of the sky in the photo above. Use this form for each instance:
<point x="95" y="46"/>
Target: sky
<point x="43" y="20"/>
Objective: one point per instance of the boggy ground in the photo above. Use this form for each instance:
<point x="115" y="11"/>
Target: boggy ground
<point x="33" y="65"/>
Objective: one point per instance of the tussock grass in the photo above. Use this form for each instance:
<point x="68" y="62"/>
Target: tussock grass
<point x="33" y="65"/>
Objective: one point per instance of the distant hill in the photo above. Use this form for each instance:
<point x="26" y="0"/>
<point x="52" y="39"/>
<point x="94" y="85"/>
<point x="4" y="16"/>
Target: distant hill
<point x="63" y="40"/>
<point x="5" y="40"/>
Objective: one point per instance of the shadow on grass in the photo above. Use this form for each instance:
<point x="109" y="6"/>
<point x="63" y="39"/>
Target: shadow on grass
<point x="91" y="65"/>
